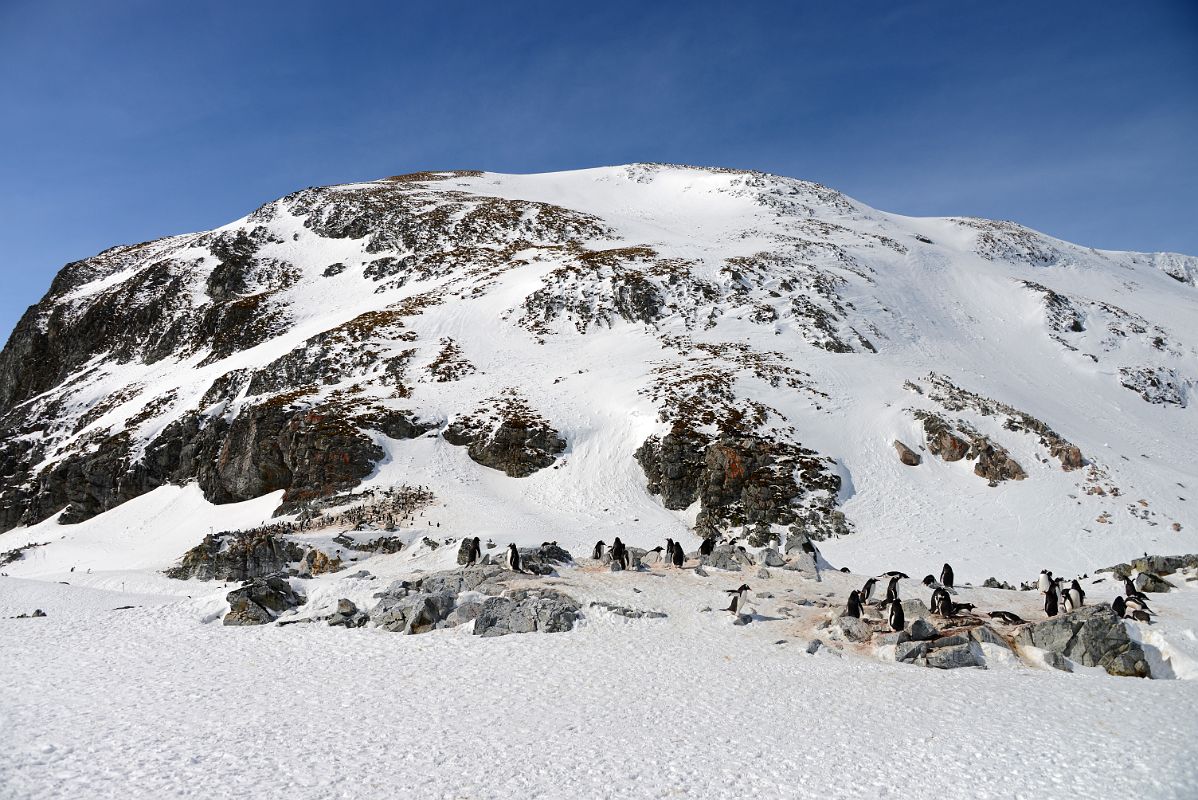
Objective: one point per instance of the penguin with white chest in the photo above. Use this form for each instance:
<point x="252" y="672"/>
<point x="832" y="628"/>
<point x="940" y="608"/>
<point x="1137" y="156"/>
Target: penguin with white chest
<point x="1045" y="581"/>
<point x="892" y="589"/>
<point x="853" y="609"/>
<point x="600" y="548"/>
<point x="513" y="558"/>
<point x="867" y="591"/>
<point x="946" y="576"/>
<point x="897" y="619"/>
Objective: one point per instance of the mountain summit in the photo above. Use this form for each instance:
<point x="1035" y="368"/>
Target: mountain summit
<point x="639" y="351"/>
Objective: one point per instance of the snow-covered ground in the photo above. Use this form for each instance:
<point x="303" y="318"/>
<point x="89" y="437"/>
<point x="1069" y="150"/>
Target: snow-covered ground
<point x="161" y="700"/>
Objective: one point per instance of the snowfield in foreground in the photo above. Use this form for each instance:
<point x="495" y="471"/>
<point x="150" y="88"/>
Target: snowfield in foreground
<point x="161" y="700"/>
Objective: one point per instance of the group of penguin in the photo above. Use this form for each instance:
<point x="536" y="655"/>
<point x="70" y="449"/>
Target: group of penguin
<point x="897" y="620"/>
<point x="511" y="559"/>
<point x="670" y="555"/>
<point x="1057" y="598"/>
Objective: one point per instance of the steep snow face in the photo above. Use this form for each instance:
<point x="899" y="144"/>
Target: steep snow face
<point x="643" y="351"/>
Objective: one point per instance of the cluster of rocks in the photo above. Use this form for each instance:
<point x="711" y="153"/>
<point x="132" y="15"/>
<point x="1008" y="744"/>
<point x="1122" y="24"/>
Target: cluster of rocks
<point x="518" y="444"/>
<point x="993" y="461"/>
<point x="1149" y="571"/>
<point x="261" y="601"/>
<point x="246" y="555"/>
<point x="1093" y="636"/>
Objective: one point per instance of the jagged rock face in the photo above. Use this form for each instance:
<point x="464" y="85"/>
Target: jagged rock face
<point x="1093" y="636"/>
<point x="513" y="447"/>
<point x="237" y="557"/>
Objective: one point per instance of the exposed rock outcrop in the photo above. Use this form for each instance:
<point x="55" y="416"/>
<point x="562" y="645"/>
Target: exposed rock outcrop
<point x="1092" y="636"/>
<point x="237" y="557"/>
<point x="261" y="601"/>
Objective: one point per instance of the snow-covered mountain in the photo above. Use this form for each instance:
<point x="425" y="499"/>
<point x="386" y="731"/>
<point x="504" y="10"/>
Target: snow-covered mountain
<point x="642" y="351"/>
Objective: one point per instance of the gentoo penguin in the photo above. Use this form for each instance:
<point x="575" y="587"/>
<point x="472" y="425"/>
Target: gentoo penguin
<point x="707" y="547"/>
<point x="1067" y="603"/>
<point x="1129" y="587"/>
<point x="892" y="589"/>
<point x="679" y="556"/>
<point x="619" y="553"/>
<point x="1076" y="595"/>
<point x="1119" y="606"/>
<point x="946" y="576"/>
<point x="1137" y="601"/>
<point x="1008" y="617"/>
<point x="668" y="556"/>
<point x="1045" y="581"/>
<point x="597" y="553"/>
<point x="942" y="604"/>
<point x="867" y="591"/>
<point x="473" y="552"/>
<point x="653" y="556"/>
<point x="741" y="592"/>
<point x="1050" y="602"/>
<point x="513" y="558"/>
<point x="854" y="607"/>
<point x="897" y="620"/>
<point x="734" y="604"/>
<point x="930" y="581"/>
<point x="958" y="608"/>
<point x="1140" y="615"/>
<point x="894" y="573"/>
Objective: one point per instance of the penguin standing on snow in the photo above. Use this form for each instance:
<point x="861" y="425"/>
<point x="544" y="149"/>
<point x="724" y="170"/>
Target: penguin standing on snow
<point x="678" y="557"/>
<point x="619" y="553"/>
<point x="513" y="558"/>
<point x="1119" y="606"/>
<point x="854" y="606"/>
<point x="1050" y="601"/>
<point x="1077" y="597"/>
<point x="867" y="590"/>
<point x="742" y="594"/>
<point x="946" y="576"/>
<point x="597" y="553"/>
<point x="1045" y="581"/>
<point x="655" y="555"/>
<point x="897" y="619"/>
<point x="892" y="589"/>
<point x="668" y="557"/>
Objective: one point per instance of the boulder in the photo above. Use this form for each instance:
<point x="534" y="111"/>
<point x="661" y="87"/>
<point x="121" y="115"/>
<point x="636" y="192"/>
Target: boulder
<point x="348" y="615"/>
<point x="1147" y="582"/>
<point x="1092" y="636"/>
<point x="916" y="609"/>
<point x="852" y="629"/>
<point x="728" y="557"/>
<point x="907" y="455"/>
<point x="919" y="629"/>
<point x="261" y="601"/>
<point x="951" y="641"/>
<point x="630" y="613"/>
<point x="813" y="646"/>
<point x="545" y="559"/>
<point x="984" y="634"/>
<point x="893" y="637"/>
<point x="526" y="611"/>
<point x="955" y="656"/>
<point x="237" y="556"/>
<point x="771" y="558"/>
<point x="763" y="573"/>
<point x="909" y="651"/>
<point x="413" y="612"/>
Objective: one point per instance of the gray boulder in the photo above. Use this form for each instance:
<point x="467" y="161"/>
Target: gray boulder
<point x="916" y="609"/>
<point x="348" y="615"/>
<point x="921" y="630"/>
<point x="413" y="612"/>
<point x="852" y="629"/>
<point x="545" y="560"/>
<point x="984" y="634"/>
<point x="1091" y="636"/>
<point x="909" y="651"/>
<point x="894" y="637"/>
<point x="955" y="656"/>
<point x="261" y="601"/>
<point x="526" y="611"/>
<point x="1147" y="582"/>
<point x="763" y="573"/>
<point x="772" y="558"/>
<point x="728" y="557"/>
<point x="630" y="613"/>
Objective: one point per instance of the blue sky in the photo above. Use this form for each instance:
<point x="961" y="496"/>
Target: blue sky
<point x="126" y="120"/>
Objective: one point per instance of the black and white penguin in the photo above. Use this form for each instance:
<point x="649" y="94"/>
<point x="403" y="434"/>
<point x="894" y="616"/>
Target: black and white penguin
<point x="894" y="573"/>
<point x="1050" y="602"/>
<point x="1008" y="617"/>
<point x="942" y="604"/>
<point x="655" y="555"/>
<point x="679" y="556"/>
<point x="513" y="558"/>
<point x="1045" y="581"/>
<point x="668" y="556"/>
<point x="1140" y="615"/>
<point x="1129" y="587"/>
<point x="897" y="620"/>
<point x="930" y="581"/>
<point x="597" y="553"/>
<point x="473" y="552"/>
<point x="741" y="592"/>
<point x="892" y="589"/>
<point x="1076" y="595"/>
<point x="854" y="606"/>
<point x="732" y="607"/>
<point x="619" y="553"/>
<point x="867" y="591"/>
<point x="1119" y="606"/>
<point x="960" y="608"/>
<point x="707" y="547"/>
<point x="946" y="576"/>
<point x="1067" y="603"/>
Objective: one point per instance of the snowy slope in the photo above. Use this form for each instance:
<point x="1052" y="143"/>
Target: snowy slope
<point x="827" y="319"/>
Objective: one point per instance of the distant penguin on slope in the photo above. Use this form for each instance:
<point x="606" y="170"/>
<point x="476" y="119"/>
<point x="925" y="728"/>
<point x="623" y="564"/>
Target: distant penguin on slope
<point x="513" y="558"/>
<point x="1050" y="602"/>
<point x="867" y="591"/>
<point x="894" y="573"/>
<point x="897" y="619"/>
<point x="946" y="576"/>
<point x="930" y="581"/>
<point x="854" y="605"/>
<point x="597" y="553"/>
